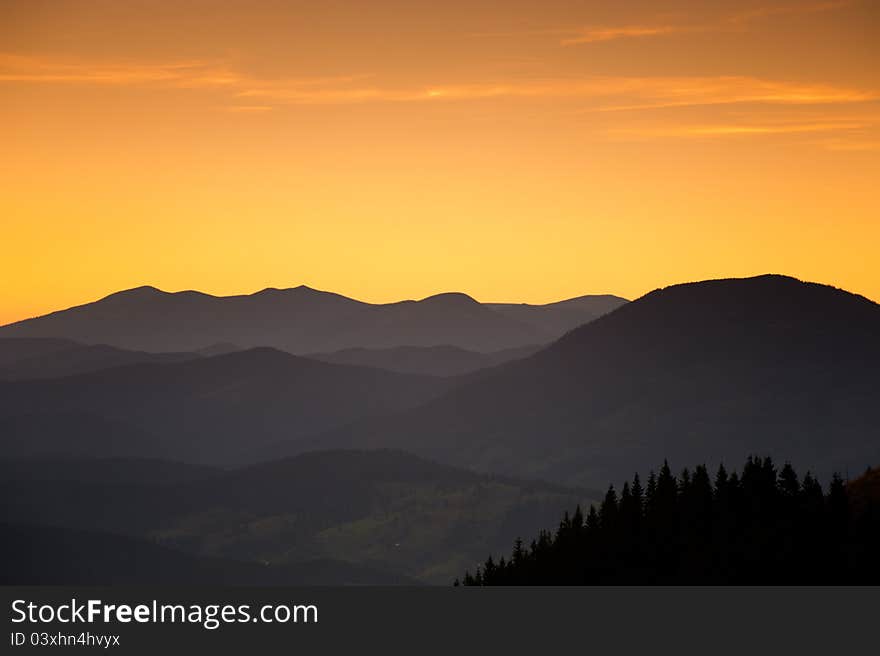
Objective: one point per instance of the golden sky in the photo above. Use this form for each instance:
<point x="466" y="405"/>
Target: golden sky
<point x="516" y="151"/>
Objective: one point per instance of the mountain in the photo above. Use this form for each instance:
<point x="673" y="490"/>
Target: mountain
<point x="14" y="350"/>
<point x="220" y="348"/>
<point x="425" y="360"/>
<point x="32" y="358"/>
<point x="702" y="372"/>
<point x="221" y="409"/>
<point x="558" y="318"/>
<point x="304" y="320"/>
<point x="30" y="555"/>
<point x="384" y="509"/>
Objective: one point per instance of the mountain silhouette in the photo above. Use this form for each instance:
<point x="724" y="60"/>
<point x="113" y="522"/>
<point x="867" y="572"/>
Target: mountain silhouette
<point x="560" y="317"/>
<point x="14" y="350"/>
<point x="220" y="348"/>
<point x="26" y="359"/>
<point x="303" y="320"/>
<point x="425" y="360"/>
<point x="708" y="371"/>
<point x="221" y="409"/>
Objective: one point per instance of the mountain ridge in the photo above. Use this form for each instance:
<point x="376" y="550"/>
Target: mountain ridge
<point x="303" y="320"/>
<point x="208" y="410"/>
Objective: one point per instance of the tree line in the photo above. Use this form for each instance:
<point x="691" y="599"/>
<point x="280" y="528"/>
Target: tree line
<point x="763" y="526"/>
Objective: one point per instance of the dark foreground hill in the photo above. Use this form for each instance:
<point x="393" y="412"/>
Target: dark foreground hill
<point x="708" y="371"/>
<point x="221" y="409"/>
<point x="303" y="320"/>
<point x="384" y="509"/>
<point x="42" y="555"/>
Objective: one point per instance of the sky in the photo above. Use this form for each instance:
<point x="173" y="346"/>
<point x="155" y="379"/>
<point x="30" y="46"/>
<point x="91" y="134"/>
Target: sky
<point x="515" y="151"/>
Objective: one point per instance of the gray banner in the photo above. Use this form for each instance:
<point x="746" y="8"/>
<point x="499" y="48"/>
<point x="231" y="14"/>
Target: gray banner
<point x="428" y="620"/>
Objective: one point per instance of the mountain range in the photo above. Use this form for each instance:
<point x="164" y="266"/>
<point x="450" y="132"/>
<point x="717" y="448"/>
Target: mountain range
<point x="295" y="426"/>
<point x="34" y="358"/>
<point x="220" y="409"/>
<point x="302" y="320"/>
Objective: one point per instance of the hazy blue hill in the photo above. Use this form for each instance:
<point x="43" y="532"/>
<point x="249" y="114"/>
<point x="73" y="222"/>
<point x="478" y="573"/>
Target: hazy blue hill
<point x="220" y="348"/>
<point x="27" y="359"/>
<point x="558" y="318"/>
<point x="696" y="372"/>
<point x="304" y="320"/>
<point x="15" y="349"/>
<point x="42" y="432"/>
<point x="386" y="509"/>
<point x="425" y="360"/>
<point x="208" y="410"/>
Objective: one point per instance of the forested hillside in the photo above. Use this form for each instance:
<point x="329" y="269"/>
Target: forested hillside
<point x="765" y="526"/>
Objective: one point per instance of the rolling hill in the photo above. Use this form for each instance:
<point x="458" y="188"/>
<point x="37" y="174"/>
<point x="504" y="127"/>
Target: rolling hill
<point x="221" y="409"/>
<point x="386" y="510"/>
<point x="425" y="360"/>
<point x="28" y="359"/>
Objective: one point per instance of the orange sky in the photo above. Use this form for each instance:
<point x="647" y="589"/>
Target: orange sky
<point x="517" y="151"/>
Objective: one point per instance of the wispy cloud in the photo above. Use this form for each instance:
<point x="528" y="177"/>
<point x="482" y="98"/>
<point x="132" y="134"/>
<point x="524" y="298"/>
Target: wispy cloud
<point x="851" y="145"/>
<point x="769" y="11"/>
<point x="190" y="73"/>
<point x="656" y="93"/>
<point x="598" y="34"/>
<point x="734" y="130"/>
<point x="604" y="93"/>
<point x="249" y="93"/>
<point x="247" y="109"/>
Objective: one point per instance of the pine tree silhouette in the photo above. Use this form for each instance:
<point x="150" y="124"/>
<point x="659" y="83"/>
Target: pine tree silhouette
<point x="761" y="527"/>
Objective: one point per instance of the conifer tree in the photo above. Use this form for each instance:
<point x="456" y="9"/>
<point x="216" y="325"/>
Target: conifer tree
<point x="638" y="495"/>
<point x="608" y="510"/>
<point x="762" y="526"/>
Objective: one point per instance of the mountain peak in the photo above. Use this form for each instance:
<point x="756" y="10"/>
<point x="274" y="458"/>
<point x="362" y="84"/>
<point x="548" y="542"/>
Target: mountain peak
<point x="770" y="289"/>
<point x="769" y="305"/>
<point x="299" y="289"/>
<point x="144" y="291"/>
<point x="450" y="298"/>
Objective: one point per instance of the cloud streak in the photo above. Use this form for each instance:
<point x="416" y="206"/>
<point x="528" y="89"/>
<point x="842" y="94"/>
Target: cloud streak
<point x="738" y="130"/>
<point x="603" y="93"/>
<point x="604" y="33"/>
<point x="787" y="10"/>
<point x="246" y="93"/>
<point x="658" y="93"/>
<point x="600" y="34"/>
<point x="189" y="74"/>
